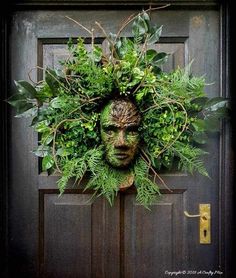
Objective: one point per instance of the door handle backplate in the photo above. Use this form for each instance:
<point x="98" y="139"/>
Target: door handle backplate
<point x="204" y="222"/>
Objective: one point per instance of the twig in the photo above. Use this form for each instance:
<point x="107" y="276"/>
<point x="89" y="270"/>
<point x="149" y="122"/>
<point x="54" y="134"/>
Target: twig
<point x="36" y="83"/>
<point x="109" y="40"/>
<point x="92" y="42"/>
<point x="132" y="17"/>
<point x="82" y="26"/>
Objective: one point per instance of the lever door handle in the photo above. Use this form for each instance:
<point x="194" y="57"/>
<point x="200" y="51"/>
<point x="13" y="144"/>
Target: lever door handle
<point x="191" y="215"/>
<point x="204" y="222"/>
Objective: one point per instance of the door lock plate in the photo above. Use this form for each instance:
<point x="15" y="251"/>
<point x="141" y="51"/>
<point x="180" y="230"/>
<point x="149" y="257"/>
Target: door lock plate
<point x="205" y="223"/>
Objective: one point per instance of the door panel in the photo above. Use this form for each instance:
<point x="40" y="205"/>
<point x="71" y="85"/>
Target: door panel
<point x="153" y="241"/>
<point x="81" y="238"/>
<point x="72" y="236"/>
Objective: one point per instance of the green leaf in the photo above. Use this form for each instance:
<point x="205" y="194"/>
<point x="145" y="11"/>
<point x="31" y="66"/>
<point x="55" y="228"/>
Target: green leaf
<point x="32" y="112"/>
<point x="23" y="106"/>
<point x="157" y="70"/>
<point x="44" y="92"/>
<point x="201" y="101"/>
<point x="200" y="137"/>
<point x="97" y="53"/>
<point x="51" y="79"/>
<point x="42" y="127"/>
<point x="150" y="54"/>
<point x="155" y="35"/>
<point x="37" y="119"/>
<point x="47" y="138"/>
<point x="16" y="99"/>
<point x="26" y="89"/>
<point x="62" y="152"/>
<point x="199" y="125"/>
<point x="58" y="102"/>
<point x="139" y="95"/>
<point x="160" y="58"/>
<point x="47" y="162"/>
<point x="42" y="151"/>
<point x="140" y="25"/>
<point x="215" y="103"/>
<point x="20" y="102"/>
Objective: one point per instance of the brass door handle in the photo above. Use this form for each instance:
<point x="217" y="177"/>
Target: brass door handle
<point x="204" y="222"/>
<point x="191" y="215"/>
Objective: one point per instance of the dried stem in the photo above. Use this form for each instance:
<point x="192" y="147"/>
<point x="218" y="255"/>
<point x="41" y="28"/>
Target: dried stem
<point x="110" y="41"/>
<point x="36" y="83"/>
<point x="81" y="25"/>
<point x="133" y="16"/>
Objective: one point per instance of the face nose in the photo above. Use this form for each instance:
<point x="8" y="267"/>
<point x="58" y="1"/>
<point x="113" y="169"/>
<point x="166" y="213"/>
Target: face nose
<point x="121" y="141"/>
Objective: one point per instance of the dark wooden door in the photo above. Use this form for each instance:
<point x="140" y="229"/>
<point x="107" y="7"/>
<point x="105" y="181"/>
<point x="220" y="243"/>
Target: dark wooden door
<point x="71" y="236"/>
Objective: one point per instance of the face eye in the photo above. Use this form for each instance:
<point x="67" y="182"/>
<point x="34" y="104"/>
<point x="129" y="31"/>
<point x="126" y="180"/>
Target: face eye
<point x="110" y="130"/>
<point x="133" y="133"/>
<point x="133" y="130"/>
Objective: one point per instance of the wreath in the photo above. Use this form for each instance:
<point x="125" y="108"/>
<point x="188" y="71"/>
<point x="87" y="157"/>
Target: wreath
<point x="66" y="109"/>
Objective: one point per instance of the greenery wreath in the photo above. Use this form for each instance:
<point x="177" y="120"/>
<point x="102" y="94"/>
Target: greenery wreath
<point x="66" y="107"/>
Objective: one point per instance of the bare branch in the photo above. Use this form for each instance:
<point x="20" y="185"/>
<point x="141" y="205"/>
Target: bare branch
<point x="81" y="25"/>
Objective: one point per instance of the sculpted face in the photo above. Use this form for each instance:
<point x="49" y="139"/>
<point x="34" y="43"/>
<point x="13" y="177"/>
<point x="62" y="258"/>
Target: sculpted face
<point x="120" y="120"/>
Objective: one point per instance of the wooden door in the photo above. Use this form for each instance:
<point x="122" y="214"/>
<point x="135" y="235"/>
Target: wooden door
<point x="71" y="236"/>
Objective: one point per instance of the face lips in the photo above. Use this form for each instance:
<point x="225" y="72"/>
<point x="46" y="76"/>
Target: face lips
<point x="121" y="156"/>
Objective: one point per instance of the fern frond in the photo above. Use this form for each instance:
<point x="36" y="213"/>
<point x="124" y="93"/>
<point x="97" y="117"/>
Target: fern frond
<point x="190" y="158"/>
<point x="68" y="172"/>
<point x="147" y="191"/>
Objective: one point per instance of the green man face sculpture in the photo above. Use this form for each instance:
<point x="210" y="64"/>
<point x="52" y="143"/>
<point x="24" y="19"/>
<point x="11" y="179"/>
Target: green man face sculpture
<point x="120" y="120"/>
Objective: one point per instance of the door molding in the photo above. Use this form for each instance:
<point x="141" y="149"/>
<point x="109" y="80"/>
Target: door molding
<point x="226" y="190"/>
<point x="120" y="3"/>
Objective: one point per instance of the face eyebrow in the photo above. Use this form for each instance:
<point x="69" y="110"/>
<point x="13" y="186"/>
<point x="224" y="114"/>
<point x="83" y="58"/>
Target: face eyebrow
<point x="108" y="125"/>
<point x="132" y="125"/>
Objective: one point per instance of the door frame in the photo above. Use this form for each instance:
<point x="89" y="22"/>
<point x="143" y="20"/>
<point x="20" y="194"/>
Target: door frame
<point x="225" y="9"/>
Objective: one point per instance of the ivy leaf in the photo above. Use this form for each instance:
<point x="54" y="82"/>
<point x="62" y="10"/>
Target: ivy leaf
<point x="155" y="35"/>
<point x="16" y="99"/>
<point x="51" y="79"/>
<point x="124" y="47"/>
<point x="26" y="89"/>
<point x="47" y="162"/>
<point x="57" y="102"/>
<point x="42" y="151"/>
<point x="22" y="106"/>
<point x="157" y="70"/>
<point x="42" y="127"/>
<point x="159" y="59"/>
<point x="150" y="54"/>
<point x="215" y="103"/>
<point x="47" y="138"/>
<point x="201" y="101"/>
<point x="62" y="152"/>
<point x="22" y="101"/>
<point x="32" y="112"/>
<point x="38" y="118"/>
<point x="140" y="25"/>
